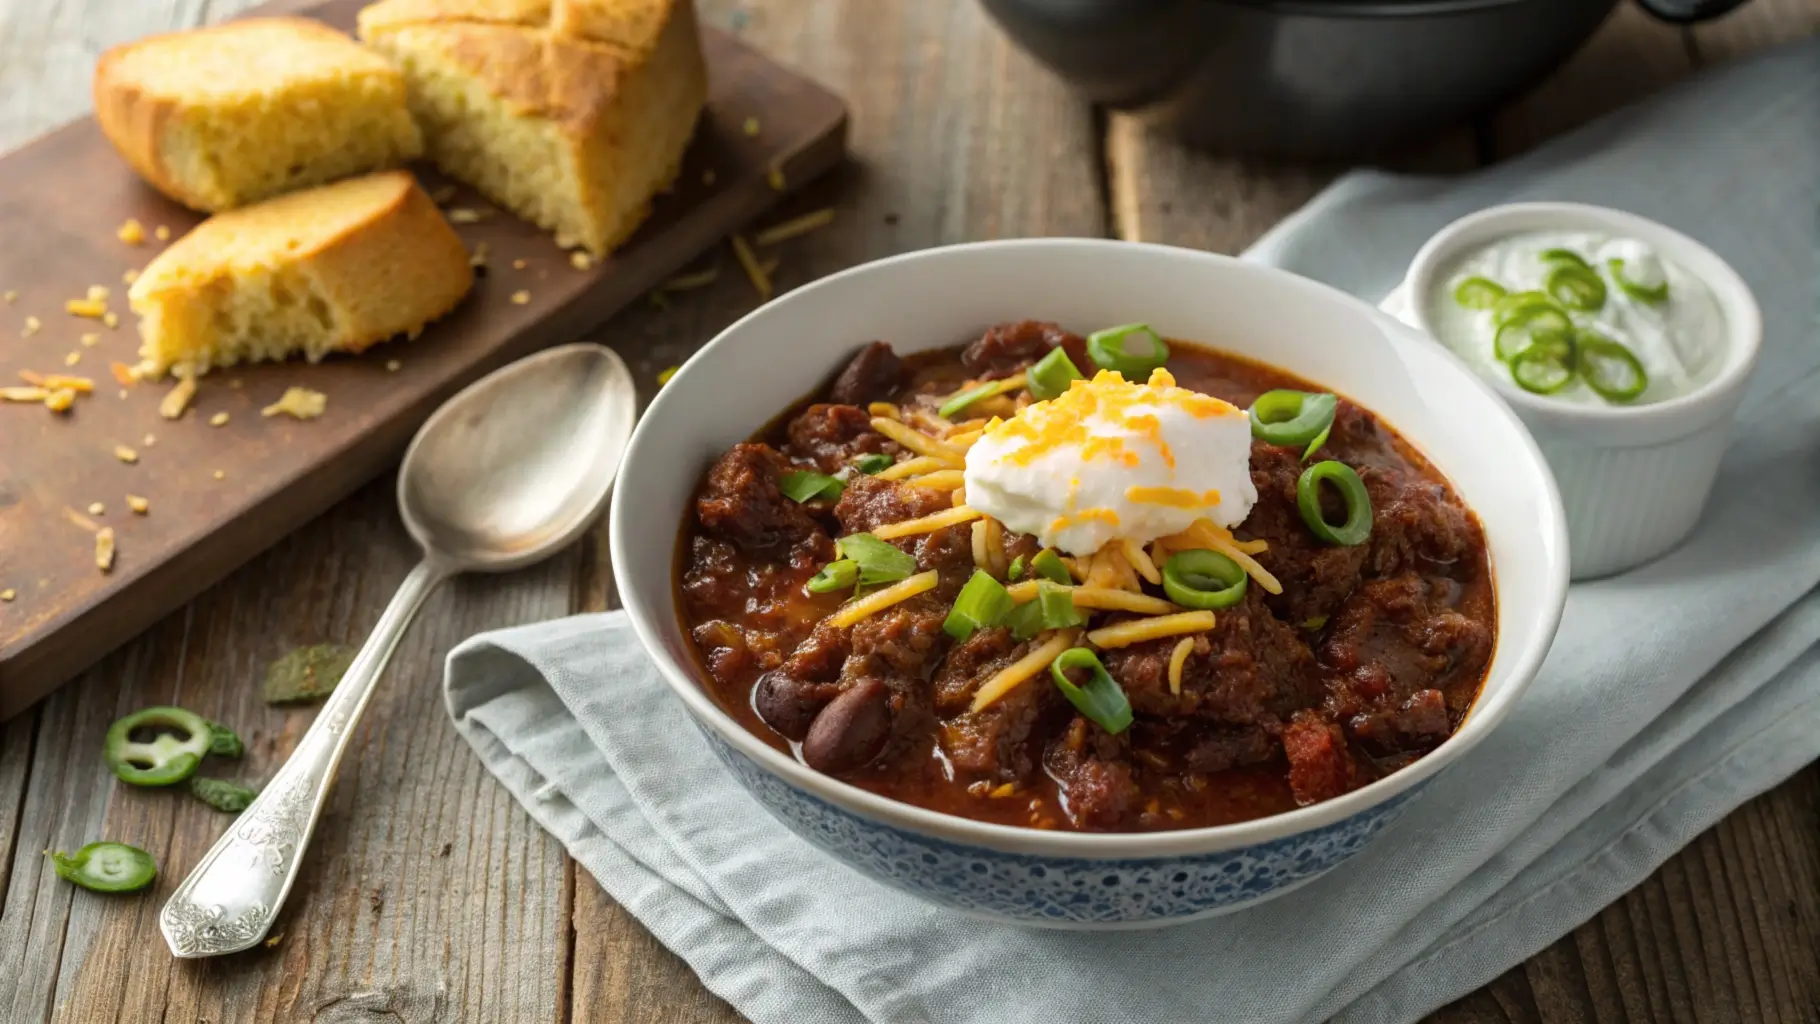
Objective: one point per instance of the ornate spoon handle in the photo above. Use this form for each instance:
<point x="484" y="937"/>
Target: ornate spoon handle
<point x="229" y="901"/>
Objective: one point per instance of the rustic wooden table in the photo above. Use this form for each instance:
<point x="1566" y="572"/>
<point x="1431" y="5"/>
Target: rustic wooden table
<point x="430" y="896"/>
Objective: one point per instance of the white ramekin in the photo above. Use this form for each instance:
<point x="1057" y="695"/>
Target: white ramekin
<point x="1633" y="479"/>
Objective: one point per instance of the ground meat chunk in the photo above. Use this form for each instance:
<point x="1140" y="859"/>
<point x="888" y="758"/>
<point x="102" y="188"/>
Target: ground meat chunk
<point x="741" y="503"/>
<point x="1316" y="576"/>
<point x="897" y="645"/>
<point x="1007" y="348"/>
<point x="1094" y="776"/>
<point x="995" y="742"/>
<point x="1414" y="519"/>
<point x="831" y="436"/>
<point x="868" y="503"/>
<point x="1320" y="766"/>
<point x="871" y="376"/>
<point x="1249" y="668"/>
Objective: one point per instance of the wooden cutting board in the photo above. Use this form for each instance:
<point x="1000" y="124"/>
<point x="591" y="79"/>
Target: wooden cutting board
<point x="220" y="494"/>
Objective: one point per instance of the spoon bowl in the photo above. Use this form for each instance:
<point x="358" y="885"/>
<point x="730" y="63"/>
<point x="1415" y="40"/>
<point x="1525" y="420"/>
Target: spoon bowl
<point x="520" y="463"/>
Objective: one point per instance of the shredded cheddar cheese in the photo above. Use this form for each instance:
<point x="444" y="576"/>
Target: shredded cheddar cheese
<point x="912" y="467"/>
<point x="941" y="480"/>
<point x="1023" y="669"/>
<point x="863" y="608"/>
<point x="1140" y="562"/>
<point x="1213" y="538"/>
<point x="1102" y="598"/>
<point x="918" y="442"/>
<point x="927" y="524"/>
<point x="982" y="556"/>
<point x="1137" y="631"/>
<point x="1177" y="659"/>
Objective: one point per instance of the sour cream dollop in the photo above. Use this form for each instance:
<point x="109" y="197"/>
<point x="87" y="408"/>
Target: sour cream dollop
<point x="1112" y="460"/>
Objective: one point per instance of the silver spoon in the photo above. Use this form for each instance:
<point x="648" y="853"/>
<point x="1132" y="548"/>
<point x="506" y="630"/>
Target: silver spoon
<point x="504" y="474"/>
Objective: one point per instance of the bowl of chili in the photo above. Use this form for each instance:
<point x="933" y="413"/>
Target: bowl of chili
<point x="1381" y="461"/>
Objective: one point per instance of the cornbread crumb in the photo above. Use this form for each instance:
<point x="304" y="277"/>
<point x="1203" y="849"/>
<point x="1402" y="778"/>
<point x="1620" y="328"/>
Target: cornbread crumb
<point x="775" y="178"/>
<point x="32" y="324"/>
<point x="580" y="260"/>
<point x="178" y="398"/>
<point x="518" y="264"/>
<point x="161" y="232"/>
<point x="129" y="275"/>
<point x="124" y="375"/>
<point x="520" y="297"/>
<point x="72" y="359"/>
<point x="94" y="309"/>
<point x="60" y="400"/>
<point x="111" y="319"/>
<point x="218" y="420"/>
<point x="122" y="392"/>
<point x="463" y="215"/>
<point x="80" y="385"/>
<point x="751" y="126"/>
<point x="98" y="292"/>
<point x="139" y="505"/>
<point x="393" y="366"/>
<point x="221" y="474"/>
<point x="104" y="549"/>
<point x="298" y="403"/>
<point x="32" y="395"/>
<point x="91" y="339"/>
<point x="148" y="441"/>
<point x="127" y="455"/>
<point x="8" y="594"/>
<point x="96" y="508"/>
<point x="132" y="232"/>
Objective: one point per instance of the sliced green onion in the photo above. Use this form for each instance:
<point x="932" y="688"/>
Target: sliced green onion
<point x="1542" y="369"/>
<point x="1518" y="305"/>
<point x="803" y="485"/>
<point x="1053" y="608"/>
<point x="1610" y="368"/>
<point x="167" y="757"/>
<point x="837" y="575"/>
<point x="1051" y="375"/>
<point x="1566" y="256"/>
<point x="1047" y="564"/>
<point x="982" y="603"/>
<point x="962" y="399"/>
<point x="107" y="867"/>
<point x="1100" y="698"/>
<point x="1514" y="339"/>
<point x="879" y="561"/>
<point x="1015" y="571"/>
<point x="1357" y="527"/>
<point x="873" y="464"/>
<point x="1292" y="418"/>
<point x="1315" y="445"/>
<point x="1479" y="293"/>
<point x="1576" y="286"/>
<point x="1642" y="293"/>
<point x="1203" y="579"/>
<point x="1133" y="350"/>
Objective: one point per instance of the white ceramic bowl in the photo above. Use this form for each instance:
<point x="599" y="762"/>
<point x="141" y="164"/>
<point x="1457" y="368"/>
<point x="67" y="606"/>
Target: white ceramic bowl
<point x="1633" y="479"/>
<point x="941" y="297"/>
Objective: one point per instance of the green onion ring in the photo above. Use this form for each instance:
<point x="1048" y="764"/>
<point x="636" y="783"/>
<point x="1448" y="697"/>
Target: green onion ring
<point x="874" y="463"/>
<point x="1357" y="527"/>
<point x="804" y="485"/>
<point x="1132" y="350"/>
<point x="1598" y="356"/>
<point x="1203" y="579"/>
<point x="981" y="604"/>
<point x="1051" y="375"/>
<point x="1291" y="418"/>
<point x="836" y="575"/>
<point x="1047" y="564"/>
<point x="1576" y="287"/>
<point x="879" y="561"/>
<point x="1100" y="698"/>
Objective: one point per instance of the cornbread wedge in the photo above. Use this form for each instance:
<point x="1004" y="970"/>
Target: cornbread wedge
<point x="332" y="269"/>
<point x="224" y="116"/>
<point x="571" y="113"/>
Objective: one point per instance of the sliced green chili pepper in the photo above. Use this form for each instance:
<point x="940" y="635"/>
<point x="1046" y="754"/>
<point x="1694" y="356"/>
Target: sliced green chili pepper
<point x="1047" y="564"/>
<point x="1576" y="286"/>
<point x="1542" y="369"/>
<point x="1518" y="304"/>
<point x="873" y="464"/>
<point x="1610" y="369"/>
<point x="1514" y="339"/>
<point x="836" y="575"/>
<point x="800" y="486"/>
<point x="1051" y="375"/>
<point x="1100" y="698"/>
<point x="981" y="604"/>
<point x="1642" y="293"/>
<point x="107" y="867"/>
<point x="222" y="795"/>
<point x="1292" y="418"/>
<point x="164" y="759"/>
<point x="1567" y="256"/>
<point x="1132" y="349"/>
<point x="1357" y="527"/>
<point x="1479" y="293"/>
<point x="224" y="742"/>
<point x="1203" y="579"/>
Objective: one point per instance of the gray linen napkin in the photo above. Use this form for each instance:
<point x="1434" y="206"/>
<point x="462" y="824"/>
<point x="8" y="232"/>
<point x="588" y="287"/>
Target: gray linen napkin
<point x="1673" y="693"/>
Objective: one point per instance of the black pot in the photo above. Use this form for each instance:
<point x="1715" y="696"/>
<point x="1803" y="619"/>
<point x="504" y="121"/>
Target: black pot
<point x="1309" y="78"/>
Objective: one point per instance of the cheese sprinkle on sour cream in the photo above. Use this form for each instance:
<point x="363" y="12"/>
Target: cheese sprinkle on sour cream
<point x="1111" y="460"/>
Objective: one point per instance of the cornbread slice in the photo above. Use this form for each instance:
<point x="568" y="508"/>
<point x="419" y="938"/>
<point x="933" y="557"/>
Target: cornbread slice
<point x="333" y="269"/>
<point x="571" y="113"/>
<point x="224" y="116"/>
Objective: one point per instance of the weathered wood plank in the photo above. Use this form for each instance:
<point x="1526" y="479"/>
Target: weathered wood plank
<point x="15" y="769"/>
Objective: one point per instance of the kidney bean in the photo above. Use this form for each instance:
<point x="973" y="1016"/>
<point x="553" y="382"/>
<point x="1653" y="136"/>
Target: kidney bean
<point x="789" y="705"/>
<point x="851" y="730"/>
